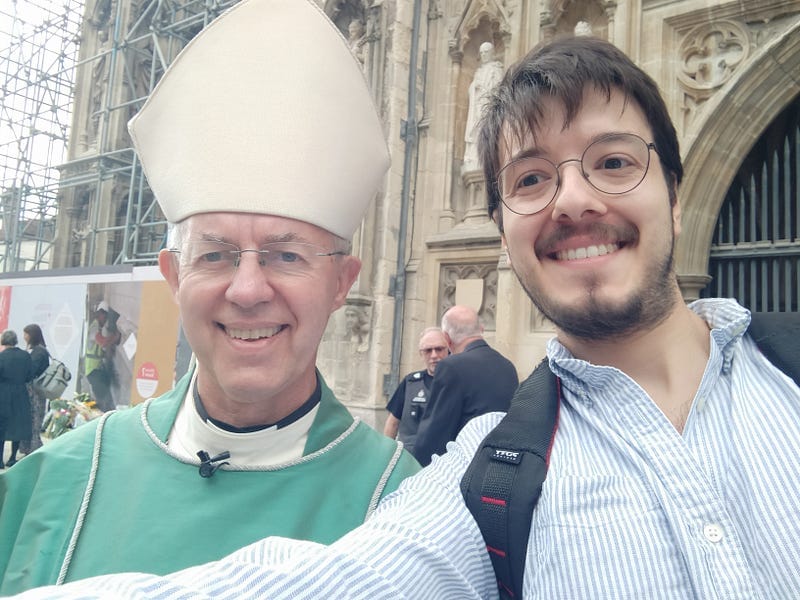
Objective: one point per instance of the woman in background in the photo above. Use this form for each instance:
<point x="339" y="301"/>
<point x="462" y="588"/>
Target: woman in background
<point x="40" y="359"/>
<point x="15" y="405"/>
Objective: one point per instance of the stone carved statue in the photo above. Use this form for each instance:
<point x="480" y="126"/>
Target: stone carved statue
<point x="357" y="39"/>
<point x="486" y="78"/>
<point x="583" y="28"/>
<point x="357" y="327"/>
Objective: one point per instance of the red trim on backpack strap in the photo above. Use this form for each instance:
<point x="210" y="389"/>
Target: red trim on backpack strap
<point x="505" y="589"/>
<point x="495" y="501"/>
<point x="496" y="551"/>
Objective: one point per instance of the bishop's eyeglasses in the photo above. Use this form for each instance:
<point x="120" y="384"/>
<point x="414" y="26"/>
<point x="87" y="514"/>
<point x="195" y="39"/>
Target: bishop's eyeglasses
<point x="216" y="258"/>
<point x="613" y="164"/>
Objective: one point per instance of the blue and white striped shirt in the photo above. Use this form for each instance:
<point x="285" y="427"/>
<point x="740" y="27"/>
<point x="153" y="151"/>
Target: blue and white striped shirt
<point x="630" y="508"/>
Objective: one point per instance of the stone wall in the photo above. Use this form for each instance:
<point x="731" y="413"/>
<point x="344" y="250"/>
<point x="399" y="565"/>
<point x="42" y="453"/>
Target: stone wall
<point x="725" y="69"/>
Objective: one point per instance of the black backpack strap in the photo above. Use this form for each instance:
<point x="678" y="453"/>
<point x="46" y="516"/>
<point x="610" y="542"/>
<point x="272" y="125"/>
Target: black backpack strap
<point x="502" y="483"/>
<point x="777" y="335"/>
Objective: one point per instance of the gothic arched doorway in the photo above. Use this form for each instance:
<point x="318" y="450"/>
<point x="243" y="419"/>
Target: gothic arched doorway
<point x="755" y="249"/>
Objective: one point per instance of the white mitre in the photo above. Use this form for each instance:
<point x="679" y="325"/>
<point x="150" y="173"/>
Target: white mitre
<point x="265" y="111"/>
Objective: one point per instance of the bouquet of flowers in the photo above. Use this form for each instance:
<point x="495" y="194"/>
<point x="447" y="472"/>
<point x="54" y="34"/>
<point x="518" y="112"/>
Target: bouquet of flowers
<point x="68" y="414"/>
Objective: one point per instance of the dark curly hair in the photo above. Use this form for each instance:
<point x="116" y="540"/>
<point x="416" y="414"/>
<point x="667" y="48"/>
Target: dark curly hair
<point x="562" y="70"/>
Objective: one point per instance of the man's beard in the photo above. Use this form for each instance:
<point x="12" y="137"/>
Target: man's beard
<point x="598" y="319"/>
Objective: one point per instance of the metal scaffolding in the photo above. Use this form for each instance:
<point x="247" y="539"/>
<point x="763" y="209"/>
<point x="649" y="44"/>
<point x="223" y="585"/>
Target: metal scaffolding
<point x="73" y="74"/>
<point x="38" y="48"/>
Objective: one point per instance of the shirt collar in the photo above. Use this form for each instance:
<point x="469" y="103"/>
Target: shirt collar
<point x="292" y="417"/>
<point x="727" y="319"/>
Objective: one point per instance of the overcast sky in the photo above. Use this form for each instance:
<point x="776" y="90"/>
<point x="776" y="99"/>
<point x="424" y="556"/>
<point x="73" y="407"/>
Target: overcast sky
<point x="38" y="42"/>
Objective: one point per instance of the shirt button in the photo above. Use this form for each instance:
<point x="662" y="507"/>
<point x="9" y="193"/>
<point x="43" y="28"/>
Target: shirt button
<point x="713" y="533"/>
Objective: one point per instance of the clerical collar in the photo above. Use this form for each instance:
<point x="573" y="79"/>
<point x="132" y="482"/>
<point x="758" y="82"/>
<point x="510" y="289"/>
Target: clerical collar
<point x="295" y="415"/>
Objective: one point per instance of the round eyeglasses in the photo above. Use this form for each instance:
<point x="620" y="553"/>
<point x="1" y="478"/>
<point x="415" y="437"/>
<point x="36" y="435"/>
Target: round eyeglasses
<point x="215" y="258"/>
<point x="613" y="164"/>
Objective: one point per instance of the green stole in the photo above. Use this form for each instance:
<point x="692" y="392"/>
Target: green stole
<point x="150" y="512"/>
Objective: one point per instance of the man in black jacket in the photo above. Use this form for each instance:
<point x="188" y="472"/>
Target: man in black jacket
<point x="475" y="379"/>
<point x="407" y="405"/>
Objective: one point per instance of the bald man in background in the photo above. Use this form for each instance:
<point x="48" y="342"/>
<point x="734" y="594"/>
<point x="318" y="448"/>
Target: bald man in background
<point x="474" y="380"/>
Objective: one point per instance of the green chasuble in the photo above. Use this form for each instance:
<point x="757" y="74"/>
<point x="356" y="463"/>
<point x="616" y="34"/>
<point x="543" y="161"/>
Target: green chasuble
<point x="110" y="497"/>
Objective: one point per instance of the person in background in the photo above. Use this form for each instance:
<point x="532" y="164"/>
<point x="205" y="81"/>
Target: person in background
<point x="475" y="379"/>
<point x="15" y="405"/>
<point x="101" y="339"/>
<point x="40" y="360"/>
<point x="407" y="404"/>
<point x="264" y="175"/>
<point x="675" y="468"/>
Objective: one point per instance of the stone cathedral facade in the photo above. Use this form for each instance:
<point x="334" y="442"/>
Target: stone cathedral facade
<point x="729" y="71"/>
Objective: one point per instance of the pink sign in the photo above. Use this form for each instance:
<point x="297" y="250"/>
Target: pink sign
<point x="147" y="379"/>
<point x="5" y="306"/>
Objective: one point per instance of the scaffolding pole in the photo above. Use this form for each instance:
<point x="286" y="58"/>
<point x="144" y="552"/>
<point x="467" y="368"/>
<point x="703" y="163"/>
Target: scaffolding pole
<point x="73" y="73"/>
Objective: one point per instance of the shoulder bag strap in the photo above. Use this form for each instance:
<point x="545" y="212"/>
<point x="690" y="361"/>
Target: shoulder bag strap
<point x="776" y="335"/>
<point x="502" y="483"/>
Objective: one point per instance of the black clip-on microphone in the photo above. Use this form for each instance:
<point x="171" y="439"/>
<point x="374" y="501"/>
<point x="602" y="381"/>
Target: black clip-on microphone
<point x="207" y="466"/>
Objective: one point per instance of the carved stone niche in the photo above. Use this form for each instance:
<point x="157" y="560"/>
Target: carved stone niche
<point x="563" y="17"/>
<point x="479" y="48"/>
<point x="470" y="284"/>
<point x="358" y="21"/>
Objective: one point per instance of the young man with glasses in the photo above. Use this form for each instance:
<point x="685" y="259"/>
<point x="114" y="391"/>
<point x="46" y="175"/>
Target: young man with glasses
<point x="408" y="403"/>
<point x="251" y="442"/>
<point x="675" y="467"/>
